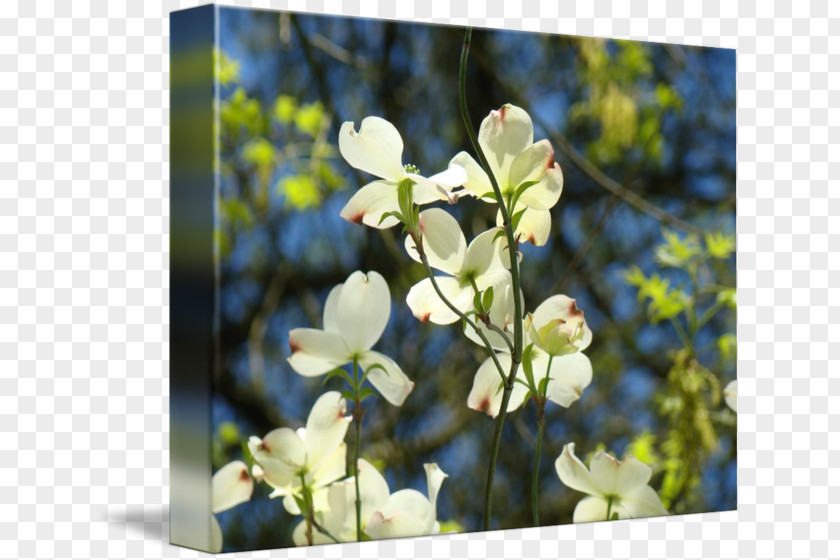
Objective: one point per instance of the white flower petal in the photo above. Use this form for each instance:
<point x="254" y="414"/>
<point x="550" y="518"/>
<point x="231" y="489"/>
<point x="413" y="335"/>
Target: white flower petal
<point x="570" y="375"/>
<point x="426" y="191"/>
<point x="281" y="454"/>
<point x="315" y="352"/>
<point x="373" y="491"/>
<point x="485" y="253"/>
<point x="503" y="135"/>
<point x="434" y="480"/>
<point x="454" y="176"/>
<point x="443" y="240"/>
<point x="558" y="326"/>
<point x="534" y="226"/>
<point x="363" y="310"/>
<point x="545" y="194"/>
<point x="427" y="306"/>
<point x="477" y="181"/>
<point x="376" y="148"/>
<point x="730" y="395"/>
<point x="325" y="428"/>
<point x="397" y="525"/>
<point x="289" y="502"/>
<point x="215" y="536"/>
<point x="231" y="486"/>
<point x="486" y="393"/>
<point x="330" y="307"/>
<point x="392" y="384"/>
<point x="371" y="202"/>
<point x="332" y="468"/>
<point x="574" y="474"/>
<point x="411" y="502"/>
<point x="616" y="477"/>
<point x="594" y="508"/>
<point x="643" y="502"/>
<point x="531" y="164"/>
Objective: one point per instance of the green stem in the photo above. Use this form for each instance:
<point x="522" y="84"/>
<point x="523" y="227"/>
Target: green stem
<point x="491" y="326"/>
<point x="535" y="477"/>
<point x="309" y="514"/>
<point x="357" y="413"/>
<point x="683" y="335"/>
<point x="431" y="274"/>
<point x="609" y="507"/>
<point x="516" y="356"/>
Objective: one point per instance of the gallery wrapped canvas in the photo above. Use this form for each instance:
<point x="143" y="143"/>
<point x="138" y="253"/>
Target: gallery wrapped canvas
<point x="430" y="280"/>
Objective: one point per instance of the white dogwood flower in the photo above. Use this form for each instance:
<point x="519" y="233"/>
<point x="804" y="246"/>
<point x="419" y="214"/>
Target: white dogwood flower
<point x="355" y="316"/>
<point x="315" y="455"/>
<point x="506" y="137"/>
<point x="230" y="486"/>
<point x="615" y="488"/>
<point x="406" y="513"/>
<point x="377" y="149"/>
<point x="477" y="266"/>
<point x="557" y="327"/>
<point x="568" y="376"/>
<point x="730" y="395"/>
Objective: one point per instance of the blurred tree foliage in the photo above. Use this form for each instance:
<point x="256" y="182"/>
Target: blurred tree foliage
<point x="645" y="135"/>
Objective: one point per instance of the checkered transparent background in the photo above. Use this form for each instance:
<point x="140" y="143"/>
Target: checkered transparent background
<point x="84" y="279"/>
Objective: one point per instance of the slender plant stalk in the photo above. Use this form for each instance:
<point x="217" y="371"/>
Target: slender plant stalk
<point x="357" y="413"/>
<point x="431" y="274"/>
<point x="309" y="515"/>
<point x="516" y="356"/>
<point x="535" y="477"/>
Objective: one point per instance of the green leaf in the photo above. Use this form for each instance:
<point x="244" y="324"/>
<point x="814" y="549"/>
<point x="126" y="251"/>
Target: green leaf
<point x="338" y="372"/>
<point x="365" y="393"/>
<point x="301" y="503"/>
<point x="397" y="215"/>
<point x="451" y="526"/>
<point x="259" y="152"/>
<point x="677" y="252"/>
<point x="477" y="302"/>
<point x="349" y="395"/>
<point x="727" y="344"/>
<point x="727" y="297"/>
<point x="614" y="516"/>
<point x="284" y="108"/>
<point x="519" y="191"/>
<point x="236" y="212"/>
<point x="487" y="299"/>
<point x="720" y="245"/>
<point x="514" y="220"/>
<point x="635" y="277"/>
<point x="309" y="118"/>
<point x="406" y="201"/>
<point x="500" y="233"/>
<point x="300" y="191"/>
<point x="228" y="433"/>
<point x="227" y="69"/>
<point x="527" y="367"/>
<point x="376" y="366"/>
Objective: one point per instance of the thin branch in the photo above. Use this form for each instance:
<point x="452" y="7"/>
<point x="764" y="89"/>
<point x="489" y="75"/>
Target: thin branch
<point x="594" y="173"/>
<point x="430" y="273"/>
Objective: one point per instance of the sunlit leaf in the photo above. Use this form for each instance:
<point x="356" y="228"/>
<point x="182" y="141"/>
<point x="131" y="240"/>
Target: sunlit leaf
<point x="301" y="191"/>
<point x="720" y="245"/>
<point x="309" y="117"/>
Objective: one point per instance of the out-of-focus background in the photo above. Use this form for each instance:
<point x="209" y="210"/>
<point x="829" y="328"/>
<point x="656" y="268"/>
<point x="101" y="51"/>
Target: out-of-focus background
<point x="643" y="238"/>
